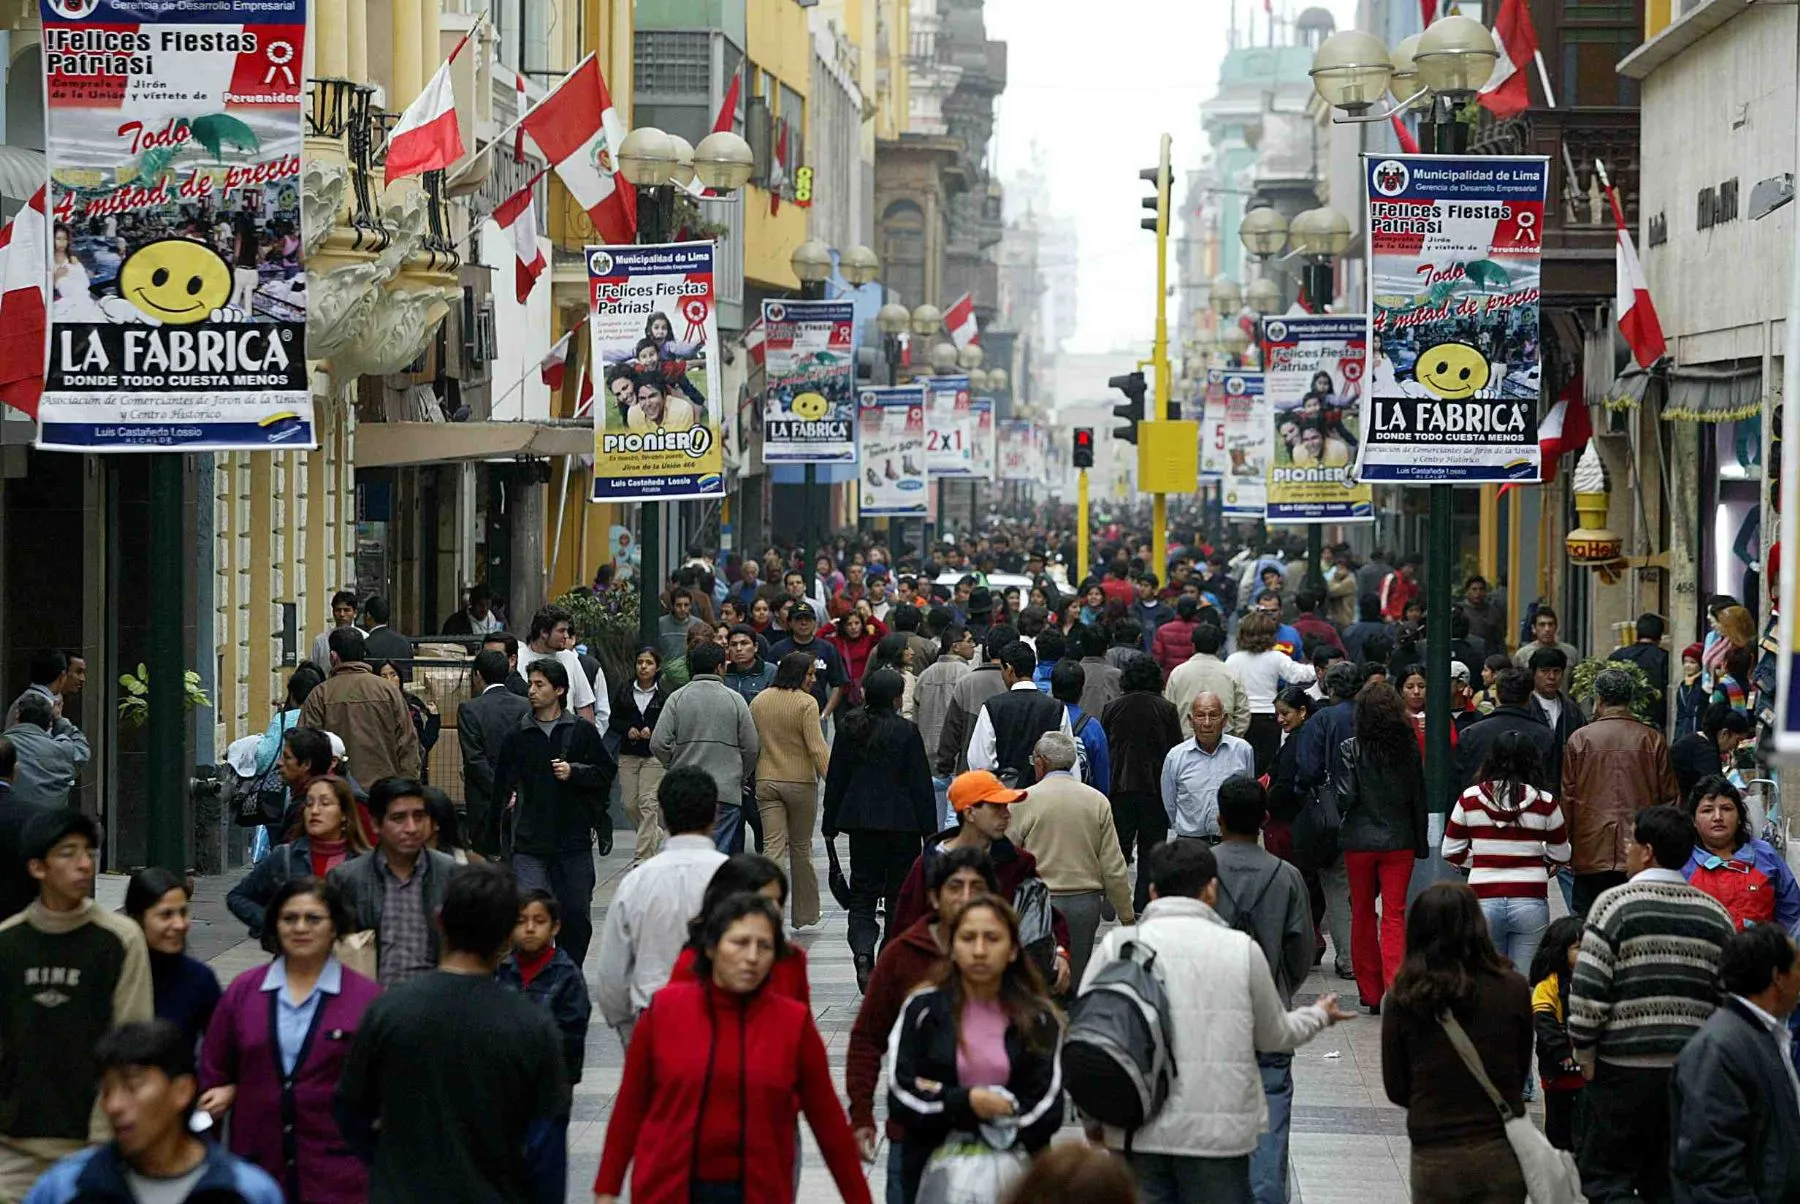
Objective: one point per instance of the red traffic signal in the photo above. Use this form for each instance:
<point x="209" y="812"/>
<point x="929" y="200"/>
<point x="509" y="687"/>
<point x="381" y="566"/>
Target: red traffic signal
<point x="1084" y="447"/>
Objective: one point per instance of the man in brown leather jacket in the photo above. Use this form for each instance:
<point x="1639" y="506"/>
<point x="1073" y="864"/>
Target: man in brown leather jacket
<point x="1612" y="768"/>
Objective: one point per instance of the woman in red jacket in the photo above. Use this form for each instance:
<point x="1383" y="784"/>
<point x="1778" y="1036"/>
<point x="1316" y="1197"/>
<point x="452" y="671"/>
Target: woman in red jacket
<point x="746" y="874"/>
<point x="855" y="636"/>
<point x="706" y="1113"/>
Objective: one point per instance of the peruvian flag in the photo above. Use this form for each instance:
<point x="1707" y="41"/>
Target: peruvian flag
<point x="959" y="320"/>
<point x="552" y="367"/>
<point x="519" y="215"/>
<point x="522" y="103"/>
<point x="1428" y="12"/>
<point x="428" y="137"/>
<point x="778" y="170"/>
<point x="1409" y="145"/>
<point x="1637" y="313"/>
<point x="1508" y="92"/>
<point x="728" y="107"/>
<point x="584" y="405"/>
<point x="24" y="271"/>
<point x="579" y="132"/>
<point x="754" y="340"/>
<point x="1566" y="428"/>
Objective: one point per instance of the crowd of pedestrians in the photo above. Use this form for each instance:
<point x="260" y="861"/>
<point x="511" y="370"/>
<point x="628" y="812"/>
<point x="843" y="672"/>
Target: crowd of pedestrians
<point x="1199" y="779"/>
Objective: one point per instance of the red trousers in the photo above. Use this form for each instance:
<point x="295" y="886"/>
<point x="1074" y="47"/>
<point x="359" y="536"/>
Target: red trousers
<point x="1375" y="954"/>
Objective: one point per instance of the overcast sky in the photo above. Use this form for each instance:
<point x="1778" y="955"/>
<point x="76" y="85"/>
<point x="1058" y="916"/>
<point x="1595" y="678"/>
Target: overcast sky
<point x="1095" y="85"/>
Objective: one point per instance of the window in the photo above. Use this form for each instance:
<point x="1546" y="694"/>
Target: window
<point x="903" y="251"/>
<point x="1590" y="61"/>
<point x="793" y="112"/>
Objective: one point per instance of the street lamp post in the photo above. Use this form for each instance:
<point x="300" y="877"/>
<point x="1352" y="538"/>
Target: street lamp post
<point x="1448" y="63"/>
<point x="655" y="163"/>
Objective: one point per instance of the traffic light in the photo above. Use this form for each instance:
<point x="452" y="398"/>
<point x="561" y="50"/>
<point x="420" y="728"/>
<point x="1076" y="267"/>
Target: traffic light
<point x="1158" y="203"/>
<point x="1084" y="447"/>
<point x="1132" y="385"/>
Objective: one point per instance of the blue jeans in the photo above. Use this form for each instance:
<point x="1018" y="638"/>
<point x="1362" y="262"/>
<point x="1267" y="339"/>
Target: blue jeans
<point x="1269" y="1161"/>
<point x="896" y="1173"/>
<point x="1172" y="1179"/>
<point x="1565" y="881"/>
<point x="728" y="829"/>
<point x="1517" y="928"/>
<point x="570" y="878"/>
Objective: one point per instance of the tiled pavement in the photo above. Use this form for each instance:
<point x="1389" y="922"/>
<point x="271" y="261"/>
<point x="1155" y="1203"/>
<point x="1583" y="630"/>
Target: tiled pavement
<point x="1348" y="1146"/>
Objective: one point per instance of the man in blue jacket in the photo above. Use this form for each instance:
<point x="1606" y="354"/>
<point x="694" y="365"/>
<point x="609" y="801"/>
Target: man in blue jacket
<point x="1319" y="739"/>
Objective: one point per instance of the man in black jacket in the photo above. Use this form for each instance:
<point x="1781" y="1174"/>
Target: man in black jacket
<point x="383" y="642"/>
<point x="557" y="773"/>
<point x="1703" y="753"/>
<point x="483" y="724"/>
<point x="507" y="644"/>
<point x="1649" y="655"/>
<point x="1551" y="703"/>
<point x="1733" y="1114"/>
<point x="1010" y="722"/>
<point x="1514" y="714"/>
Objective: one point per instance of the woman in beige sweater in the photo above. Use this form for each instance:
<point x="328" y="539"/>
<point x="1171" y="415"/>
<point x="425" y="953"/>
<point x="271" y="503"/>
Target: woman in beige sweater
<point x="794" y="758"/>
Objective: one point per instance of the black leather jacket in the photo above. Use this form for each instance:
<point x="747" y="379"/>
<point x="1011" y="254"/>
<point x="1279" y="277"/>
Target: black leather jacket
<point x="1383" y="806"/>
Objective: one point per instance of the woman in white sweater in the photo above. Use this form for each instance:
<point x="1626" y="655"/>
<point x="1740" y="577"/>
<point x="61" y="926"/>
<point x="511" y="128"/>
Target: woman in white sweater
<point x="1263" y="671"/>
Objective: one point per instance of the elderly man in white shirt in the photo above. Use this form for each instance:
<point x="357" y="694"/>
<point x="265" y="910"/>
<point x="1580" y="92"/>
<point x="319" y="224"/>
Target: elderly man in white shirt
<point x="647" y="923"/>
<point x="1195" y="769"/>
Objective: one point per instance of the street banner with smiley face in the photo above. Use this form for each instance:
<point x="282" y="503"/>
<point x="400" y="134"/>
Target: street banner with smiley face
<point x="1313" y="377"/>
<point x="893" y="479"/>
<point x="809" y="401"/>
<point x="653" y="327"/>
<point x="1454" y="374"/>
<point x="178" y="311"/>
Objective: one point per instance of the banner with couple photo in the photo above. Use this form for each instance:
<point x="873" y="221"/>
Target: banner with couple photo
<point x="1249" y="435"/>
<point x="809" y="402"/>
<point x="178" y="300"/>
<point x="653" y="329"/>
<point x="1454" y="277"/>
<point x="893" y="477"/>
<point x="1019" y="451"/>
<point x="1313" y="377"/>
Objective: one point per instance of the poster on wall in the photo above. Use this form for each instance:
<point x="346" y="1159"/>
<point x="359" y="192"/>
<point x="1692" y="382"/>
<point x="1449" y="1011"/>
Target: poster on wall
<point x="1249" y="444"/>
<point x="1454" y="275"/>
<point x="949" y="426"/>
<point x="653" y="330"/>
<point x="892" y="430"/>
<point x="984" y="455"/>
<point x="178" y="300"/>
<point x="1213" y="462"/>
<point x="1314" y="383"/>
<point x="809" y="402"/>
<point x="1017" y="449"/>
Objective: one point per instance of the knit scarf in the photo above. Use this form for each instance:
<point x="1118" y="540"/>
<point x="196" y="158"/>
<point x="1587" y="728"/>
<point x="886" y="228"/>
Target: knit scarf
<point x="326" y="854"/>
<point x="531" y="965"/>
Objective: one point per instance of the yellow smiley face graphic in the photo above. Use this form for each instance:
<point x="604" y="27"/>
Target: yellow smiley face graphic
<point x="176" y="280"/>
<point x="811" y="406"/>
<point x="1452" y="371"/>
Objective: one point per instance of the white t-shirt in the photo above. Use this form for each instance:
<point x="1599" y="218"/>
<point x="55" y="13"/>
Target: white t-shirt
<point x="164" y="1191"/>
<point x="1552" y="708"/>
<point x="581" y="694"/>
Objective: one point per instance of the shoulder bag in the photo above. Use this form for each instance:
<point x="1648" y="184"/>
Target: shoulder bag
<point x="1550" y="1174"/>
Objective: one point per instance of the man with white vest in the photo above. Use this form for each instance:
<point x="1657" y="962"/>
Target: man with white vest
<point x="1225" y="1006"/>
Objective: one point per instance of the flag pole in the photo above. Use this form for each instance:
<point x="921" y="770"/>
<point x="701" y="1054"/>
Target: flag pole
<point x="1537" y="56"/>
<point x="498" y="139"/>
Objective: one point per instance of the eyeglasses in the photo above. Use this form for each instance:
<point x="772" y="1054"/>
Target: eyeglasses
<point x="304" y="919"/>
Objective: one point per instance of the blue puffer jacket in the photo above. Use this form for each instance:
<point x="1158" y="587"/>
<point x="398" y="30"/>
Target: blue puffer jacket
<point x="97" y="1175"/>
<point x="560" y="987"/>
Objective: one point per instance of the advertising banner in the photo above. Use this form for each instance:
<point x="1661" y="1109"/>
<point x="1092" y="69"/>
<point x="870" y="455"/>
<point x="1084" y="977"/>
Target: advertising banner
<point x="1249" y="444"/>
<point x="892" y="428"/>
<point x="1454" y="270"/>
<point x="1213" y="461"/>
<point x="178" y="303"/>
<point x="986" y="458"/>
<point x="1017" y="449"/>
<point x="653" y="330"/>
<point x="1313" y="378"/>
<point x="949" y="426"/>
<point x="810" y="400"/>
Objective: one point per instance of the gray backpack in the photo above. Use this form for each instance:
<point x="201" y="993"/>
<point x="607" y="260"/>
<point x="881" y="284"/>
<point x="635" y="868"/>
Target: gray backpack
<point x="1118" y="1060"/>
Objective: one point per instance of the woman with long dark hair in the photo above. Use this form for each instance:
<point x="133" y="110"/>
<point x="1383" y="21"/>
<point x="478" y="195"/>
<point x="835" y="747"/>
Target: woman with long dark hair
<point x="1264" y="669"/>
<point x="1451" y="970"/>
<point x="855" y="636"/>
<point x="979" y="1049"/>
<point x="185" y="989"/>
<point x="894" y="651"/>
<point x="878" y="790"/>
<point x="1504" y="830"/>
<point x="718" y="1070"/>
<point x="746" y="874"/>
<point x="1380" y="790"/>
<point x="328" y="834"/>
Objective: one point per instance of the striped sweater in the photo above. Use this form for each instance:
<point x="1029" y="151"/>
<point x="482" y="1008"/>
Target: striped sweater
<point x="1648" y="973"/>
<point x="1503" y="848"/>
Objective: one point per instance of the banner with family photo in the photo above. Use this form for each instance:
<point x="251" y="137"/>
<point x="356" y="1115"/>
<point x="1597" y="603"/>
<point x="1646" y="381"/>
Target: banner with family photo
<point x="1313" y="376"/>
<point x="1249" y="444"/>
<point x="809" y="402"/>
<point x="892" y="431"/>
<point x="1454" y="277"/>
<point x="178" y="301"/>
<point x="949" y="426"/>
<point x="1016" y="450"/>
<point x="984" y="454"/>
<point x="653" y="329"/>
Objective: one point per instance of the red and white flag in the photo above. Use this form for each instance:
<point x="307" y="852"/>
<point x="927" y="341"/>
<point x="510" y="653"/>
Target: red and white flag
<point x="959" y="320"/>
<point x="1428" y="12"/>
<point x="552" y="367"/>
<point x="522" y="103"/>
<point x="584" y="405"/>
<point x="24" y="329"/>
<point x="1637" y="313"/>
<point x="1566" y="428"/>
<point x="579" y="132"/>
<point x="727" y="118"/>
<point x="519" y="216"/>
<point x="1409" y="145"/>
<point x="1508" y="91"/>
<point x="427" y="137"/>
<point x="754" y="340"/>
<point x="778" y="170"/>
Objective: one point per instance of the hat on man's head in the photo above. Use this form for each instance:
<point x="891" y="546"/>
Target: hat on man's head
<point x="1459" y="672"/>
<point x="981" y="600"/>
<point x="801" y="610"/>
<point x="978" y="786"/>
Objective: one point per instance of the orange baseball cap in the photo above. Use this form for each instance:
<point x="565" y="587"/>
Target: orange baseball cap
<point x="979" y="786"/>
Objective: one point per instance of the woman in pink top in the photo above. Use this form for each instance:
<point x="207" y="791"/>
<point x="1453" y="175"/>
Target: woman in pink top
<point x="978" y="1048"/>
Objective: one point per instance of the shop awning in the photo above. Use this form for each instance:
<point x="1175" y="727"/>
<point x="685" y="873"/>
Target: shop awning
<point x="391" y="444"/>
<point x="22" y="172"/>
<point x="1694" y="394"/>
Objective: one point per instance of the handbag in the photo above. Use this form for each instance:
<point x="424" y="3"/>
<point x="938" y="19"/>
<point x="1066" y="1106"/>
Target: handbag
<point x="1550" y="1173"/>
<point x="360" y="951"/>
<point x="967" y="1170"/>
<point x="261" y="800"/>
<point x="834" y="876"/>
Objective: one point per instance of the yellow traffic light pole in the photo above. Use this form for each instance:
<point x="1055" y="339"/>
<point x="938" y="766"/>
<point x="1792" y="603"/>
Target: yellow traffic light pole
<point x="1159" y="352"/>
<point x="1081" y="527"/>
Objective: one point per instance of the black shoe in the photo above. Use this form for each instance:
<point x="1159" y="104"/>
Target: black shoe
<point x="1345" y="973"/>
<point x="1374" y="1009"/>
<point x="865" y="966"/>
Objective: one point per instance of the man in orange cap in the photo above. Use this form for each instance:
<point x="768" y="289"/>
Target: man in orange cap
<point x="982" y="803"/>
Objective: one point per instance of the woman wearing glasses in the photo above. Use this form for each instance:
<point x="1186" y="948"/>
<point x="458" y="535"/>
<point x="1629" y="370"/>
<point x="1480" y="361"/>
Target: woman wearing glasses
<point x="277" y="1045"/>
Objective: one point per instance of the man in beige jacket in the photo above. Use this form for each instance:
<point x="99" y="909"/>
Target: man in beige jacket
<point x="1205" y="673"/>
<point x="1068" y="826"/>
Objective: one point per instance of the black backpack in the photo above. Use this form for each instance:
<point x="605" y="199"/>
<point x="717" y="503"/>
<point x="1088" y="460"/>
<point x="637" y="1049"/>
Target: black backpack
<point x="1118" y="1060"/>
<point x="1037" y="924"/>
<point x="1243" y="919"/>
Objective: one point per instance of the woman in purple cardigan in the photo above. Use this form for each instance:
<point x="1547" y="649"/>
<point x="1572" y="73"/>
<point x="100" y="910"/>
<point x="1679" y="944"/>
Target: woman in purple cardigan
<point x="277" y="1045"/>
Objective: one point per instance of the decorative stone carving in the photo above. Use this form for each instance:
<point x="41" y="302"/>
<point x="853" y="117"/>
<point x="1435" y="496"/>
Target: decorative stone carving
<point x="339" y="303"/>
<point x="401" y="324"/>
<point x="323" y="186"/>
